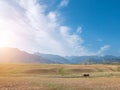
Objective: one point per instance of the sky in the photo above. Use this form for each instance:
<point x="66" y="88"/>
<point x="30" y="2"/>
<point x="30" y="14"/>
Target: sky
<point x="62" y="27"/>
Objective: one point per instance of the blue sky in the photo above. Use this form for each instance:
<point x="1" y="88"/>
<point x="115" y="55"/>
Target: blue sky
<point x="63" y="27"/>
<point x="100" y="21"/>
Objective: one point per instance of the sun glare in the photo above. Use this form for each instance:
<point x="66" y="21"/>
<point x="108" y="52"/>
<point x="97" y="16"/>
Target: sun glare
<point x="4" y="39"/>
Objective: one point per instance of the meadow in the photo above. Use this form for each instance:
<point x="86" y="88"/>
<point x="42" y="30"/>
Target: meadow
<point x="20" y="76"/>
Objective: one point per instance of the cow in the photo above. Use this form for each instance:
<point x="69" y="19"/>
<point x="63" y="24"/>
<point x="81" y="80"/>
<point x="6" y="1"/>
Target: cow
<point x="86" y="75"/>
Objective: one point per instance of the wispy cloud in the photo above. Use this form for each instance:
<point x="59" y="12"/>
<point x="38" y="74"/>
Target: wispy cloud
<point x="30" y="28"/>
<point x="79" y="29"/>
<point x="103" y="49"/>
<point x="64" y="3"/>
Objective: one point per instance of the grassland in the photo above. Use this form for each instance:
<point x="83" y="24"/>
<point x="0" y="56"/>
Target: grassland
<point x="59" y="77"/>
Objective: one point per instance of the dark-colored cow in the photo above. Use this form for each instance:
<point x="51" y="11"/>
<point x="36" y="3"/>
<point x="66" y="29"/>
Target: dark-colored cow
<point x="86" y="75"/>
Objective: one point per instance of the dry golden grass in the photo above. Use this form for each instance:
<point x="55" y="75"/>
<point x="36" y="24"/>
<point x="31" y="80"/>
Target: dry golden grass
<point x="59" y="77"/>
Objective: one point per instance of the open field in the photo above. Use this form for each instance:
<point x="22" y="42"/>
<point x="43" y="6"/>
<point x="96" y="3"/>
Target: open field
<point x="59" y="77"/>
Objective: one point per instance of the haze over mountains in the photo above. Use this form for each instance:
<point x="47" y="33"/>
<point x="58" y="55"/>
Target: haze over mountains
<point x="15" y="55"/>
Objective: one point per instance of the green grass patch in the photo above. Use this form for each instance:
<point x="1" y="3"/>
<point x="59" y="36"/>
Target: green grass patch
<point x="63" y="71"/>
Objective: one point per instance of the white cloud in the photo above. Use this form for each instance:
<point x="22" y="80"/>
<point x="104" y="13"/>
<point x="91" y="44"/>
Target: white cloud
<point x="52" y="16"/>
<point x="29" y="28"/>
<point x="64" y="30"/>
<point x="103" y="49"/>
<point x="64" y="3"/>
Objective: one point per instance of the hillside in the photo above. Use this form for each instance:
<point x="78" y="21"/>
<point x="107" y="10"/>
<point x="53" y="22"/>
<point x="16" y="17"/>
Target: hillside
<point x="16" y="55"/>
<point x="54" y="58"/>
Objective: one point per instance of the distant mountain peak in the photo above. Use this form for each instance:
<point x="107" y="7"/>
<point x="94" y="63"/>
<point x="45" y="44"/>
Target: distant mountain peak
<point x="15" y="55"/>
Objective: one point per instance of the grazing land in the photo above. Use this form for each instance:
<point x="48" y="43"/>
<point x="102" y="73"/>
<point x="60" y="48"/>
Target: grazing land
<point x="59" y="77"/>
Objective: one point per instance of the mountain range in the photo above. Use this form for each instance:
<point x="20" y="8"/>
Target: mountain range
<point x="15" y="55"/>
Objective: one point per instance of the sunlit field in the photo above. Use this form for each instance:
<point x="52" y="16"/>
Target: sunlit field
<point x="59" y="77"/>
